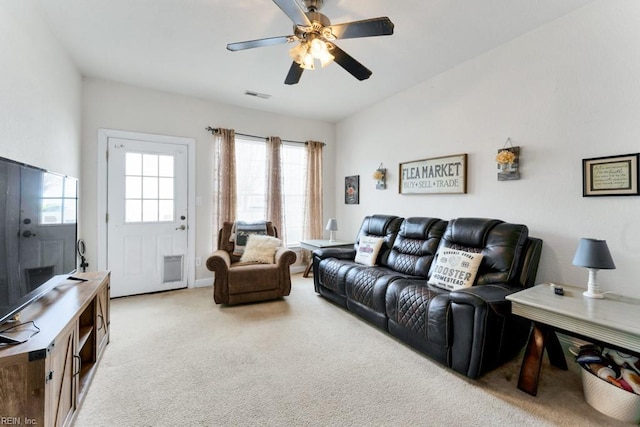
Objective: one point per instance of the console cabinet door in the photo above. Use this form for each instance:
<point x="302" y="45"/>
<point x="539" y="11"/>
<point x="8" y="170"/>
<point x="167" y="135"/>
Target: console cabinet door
<point x="61" y="378"/>
<point x="22" y="389"/>
<point x="102" y="319"/>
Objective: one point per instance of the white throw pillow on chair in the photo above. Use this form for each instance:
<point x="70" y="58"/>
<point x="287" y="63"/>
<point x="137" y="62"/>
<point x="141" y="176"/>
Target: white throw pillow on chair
<point x="261" y="249"/>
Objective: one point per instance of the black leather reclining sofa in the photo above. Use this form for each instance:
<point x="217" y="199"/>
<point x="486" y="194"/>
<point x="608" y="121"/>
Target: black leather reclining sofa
<point x="471" y="330"/>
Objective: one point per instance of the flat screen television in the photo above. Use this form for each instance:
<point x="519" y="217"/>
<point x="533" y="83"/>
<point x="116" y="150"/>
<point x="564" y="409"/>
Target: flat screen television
<point x="38" y="234"/>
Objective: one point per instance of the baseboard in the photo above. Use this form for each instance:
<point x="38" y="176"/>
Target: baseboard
<point x="203" y="283"/>
<point x="297" y="269"/>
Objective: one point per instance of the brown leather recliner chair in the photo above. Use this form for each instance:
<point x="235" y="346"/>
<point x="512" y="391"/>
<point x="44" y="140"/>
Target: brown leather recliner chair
<point x="238" y="282"/>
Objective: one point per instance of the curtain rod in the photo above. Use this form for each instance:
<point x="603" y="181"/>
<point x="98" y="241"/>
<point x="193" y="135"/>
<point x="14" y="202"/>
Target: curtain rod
<point x="212" y="130"/>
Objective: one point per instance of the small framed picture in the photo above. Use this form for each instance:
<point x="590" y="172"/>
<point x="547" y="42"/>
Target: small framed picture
<point x="352" y="190"/>
<point x="610" y="176"/>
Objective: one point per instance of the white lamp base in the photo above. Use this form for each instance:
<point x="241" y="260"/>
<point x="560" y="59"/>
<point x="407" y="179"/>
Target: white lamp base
<point x="593" y="290"/>
<point x="332" y="236"/>
<point x="593" y="294"/>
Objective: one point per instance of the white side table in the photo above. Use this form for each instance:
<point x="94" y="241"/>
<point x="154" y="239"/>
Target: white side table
<point x="614" y="320"/>
<point x="319" y="244"/>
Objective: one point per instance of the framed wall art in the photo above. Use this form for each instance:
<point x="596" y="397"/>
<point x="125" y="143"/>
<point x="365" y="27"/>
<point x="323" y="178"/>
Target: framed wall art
<point x="610" y="176"/>
<point x="352" y="190"/>
<point x="438" y="175"/>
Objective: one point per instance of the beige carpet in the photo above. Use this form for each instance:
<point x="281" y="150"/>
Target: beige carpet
<point x="177" y="359"/>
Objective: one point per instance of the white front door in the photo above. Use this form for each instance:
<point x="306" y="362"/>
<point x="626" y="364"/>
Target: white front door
<point x="147" y="216"/>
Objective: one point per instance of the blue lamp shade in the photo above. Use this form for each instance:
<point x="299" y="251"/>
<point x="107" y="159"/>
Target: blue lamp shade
<point x="593" y="253"/>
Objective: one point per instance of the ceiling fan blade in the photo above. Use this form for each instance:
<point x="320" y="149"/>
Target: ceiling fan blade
<point x="365" y="28"/>
<point x="293" y="10"/>
<point x="259" y="43"/>
<point x="347" y="62"/>
<point x="295" y="72"/>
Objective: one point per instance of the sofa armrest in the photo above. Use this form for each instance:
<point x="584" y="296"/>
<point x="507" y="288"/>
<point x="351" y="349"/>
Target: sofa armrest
<point x="486" y="296"/>
<point x="339" y="253"/>
<point x="219" y="262"/>
<point x="482" y="314"/>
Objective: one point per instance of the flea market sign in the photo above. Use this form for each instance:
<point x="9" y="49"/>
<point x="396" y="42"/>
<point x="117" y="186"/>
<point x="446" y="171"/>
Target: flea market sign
<point x="439" y="175"/>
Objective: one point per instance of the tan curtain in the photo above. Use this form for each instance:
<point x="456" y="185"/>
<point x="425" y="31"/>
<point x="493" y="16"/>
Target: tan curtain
<point x="313" y="194"/>
<point x="275" y="212"/>
<point x="224" y="193"/>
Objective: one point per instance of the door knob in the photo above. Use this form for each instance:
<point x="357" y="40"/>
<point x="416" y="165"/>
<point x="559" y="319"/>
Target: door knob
<point x="182" y="227"/>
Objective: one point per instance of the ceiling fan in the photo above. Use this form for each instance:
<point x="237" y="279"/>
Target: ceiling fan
<point x="315" y="35"/>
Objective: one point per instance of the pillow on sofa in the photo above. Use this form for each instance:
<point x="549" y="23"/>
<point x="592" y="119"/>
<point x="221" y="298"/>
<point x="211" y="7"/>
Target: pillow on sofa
<point x="455" y="269"/>
<point x="260" y="249"/>
<point x="368" y="250"/>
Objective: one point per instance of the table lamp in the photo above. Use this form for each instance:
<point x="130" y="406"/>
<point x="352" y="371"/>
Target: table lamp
<point x="594" y="255"/>
<point x="332" y="226"/>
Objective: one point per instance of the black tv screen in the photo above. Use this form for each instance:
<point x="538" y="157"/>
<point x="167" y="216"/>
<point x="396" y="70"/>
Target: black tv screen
<point x="38" y="233"/>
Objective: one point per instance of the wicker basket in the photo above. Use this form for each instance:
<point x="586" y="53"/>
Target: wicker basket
<point x="609" y="399"/>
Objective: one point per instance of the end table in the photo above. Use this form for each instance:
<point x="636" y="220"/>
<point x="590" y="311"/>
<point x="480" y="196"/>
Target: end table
<point x="614" y="321"/>
<point x="311" y="245"/>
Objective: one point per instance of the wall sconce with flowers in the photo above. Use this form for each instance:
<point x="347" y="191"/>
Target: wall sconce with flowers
<point x="380" y="175"/>
<point x="508" y="160"/>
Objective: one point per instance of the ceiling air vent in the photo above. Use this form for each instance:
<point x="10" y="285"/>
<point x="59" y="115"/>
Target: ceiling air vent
<point x="257" y="94"/>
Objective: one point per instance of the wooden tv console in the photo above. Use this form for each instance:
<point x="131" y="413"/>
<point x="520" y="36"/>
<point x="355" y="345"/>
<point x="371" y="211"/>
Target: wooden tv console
<point x="44" y="380"/>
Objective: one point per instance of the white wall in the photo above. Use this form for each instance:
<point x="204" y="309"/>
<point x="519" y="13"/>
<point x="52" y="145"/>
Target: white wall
<point x="564" y="92"/>
<point x="117" y="106"/>
<point x="39" y="93"/>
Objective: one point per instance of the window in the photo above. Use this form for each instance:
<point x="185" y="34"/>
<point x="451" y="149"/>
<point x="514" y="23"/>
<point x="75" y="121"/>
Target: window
<point x="294" y="171"/>
<point x="149" y="182"/>
<point x="251" y="160"/>
<point x="59" y="198"/>
<point x="250" y="179"/>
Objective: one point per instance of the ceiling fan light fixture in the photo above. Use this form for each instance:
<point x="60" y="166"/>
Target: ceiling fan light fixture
<point x="317" y="47"/>
<point x="298" y="52"/>
<point x="327" y="34"/>
<point x="315" y="35"/>
<point x="307" y="62"/>
<point x="326" y="58"/>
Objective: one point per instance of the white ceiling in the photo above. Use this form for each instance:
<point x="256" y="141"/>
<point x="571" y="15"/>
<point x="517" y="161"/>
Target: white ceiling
<point x="180" y="46"/>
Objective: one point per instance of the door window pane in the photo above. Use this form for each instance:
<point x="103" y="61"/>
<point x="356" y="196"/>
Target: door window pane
<point x="150" y="164"/>
<point x="165" y="188"/>
<point x="149" y="188"/>
<point x="133" y="164"/>
<point x="133" y="187"/>
<point x="149" y="211"/>
<point x="165" y="164"/>
<point x="165" y="210"/>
